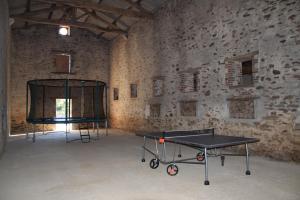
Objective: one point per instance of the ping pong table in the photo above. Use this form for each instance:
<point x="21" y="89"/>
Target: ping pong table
<point x="205" y="141"/>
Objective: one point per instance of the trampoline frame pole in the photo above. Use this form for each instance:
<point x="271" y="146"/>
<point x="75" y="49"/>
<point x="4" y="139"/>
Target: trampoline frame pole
<point x="33" y="136"/>
<point x="27" y="132"/>
<point x="97" y="130"/>
<point x="66" y="107"/>
<point x="106" y="112"/>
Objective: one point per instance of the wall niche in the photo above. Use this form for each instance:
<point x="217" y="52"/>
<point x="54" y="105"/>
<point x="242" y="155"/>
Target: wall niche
<point x="158" y="86"/>
<point x="188" y="108"/>
<point x="241" y="108"/>
<point x="155" y="110"/>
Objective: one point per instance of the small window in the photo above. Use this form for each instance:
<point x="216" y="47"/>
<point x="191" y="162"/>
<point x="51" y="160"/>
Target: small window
<point x="189" y="81"/>
<point x="63" y="63"/>
<point x="116" y="94"/>
<point x="133" y="90"/>
<point x="196" y="81"/>
<point x="247" y="73"/>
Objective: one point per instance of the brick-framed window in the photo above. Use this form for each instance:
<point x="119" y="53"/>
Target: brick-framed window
<point x="241" y="107"/>
<point x="189" y="81"/>
<point x="241" y="70"/>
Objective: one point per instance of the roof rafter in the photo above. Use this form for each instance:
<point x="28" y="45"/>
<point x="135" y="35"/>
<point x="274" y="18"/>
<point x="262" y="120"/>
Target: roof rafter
<point x="95" y="16"/>
<point x="137" y="6"/>
<point x="68" y="23"/>
<point x="99" y="7"/>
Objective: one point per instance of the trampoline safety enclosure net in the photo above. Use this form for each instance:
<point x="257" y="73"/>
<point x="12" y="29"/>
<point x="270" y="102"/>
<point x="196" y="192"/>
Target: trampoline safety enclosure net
<point x="85" y="101"/>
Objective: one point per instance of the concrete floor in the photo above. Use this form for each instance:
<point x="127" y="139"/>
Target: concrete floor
<point x="111" y="169"/>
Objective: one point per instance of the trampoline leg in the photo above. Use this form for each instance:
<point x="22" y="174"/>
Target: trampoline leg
<point x="143" y="150"/>
<point x="33" y="136"/>
<point x="27" y="133"/>
<point x="165" y="152"/>
<point x="94" y="128"/>
<point x="106" y="127"/>
<point x="206" y="182"/>
<point x="67" y="134"/>
<point x="247" y="160"/>
<point x="97" y="130"/>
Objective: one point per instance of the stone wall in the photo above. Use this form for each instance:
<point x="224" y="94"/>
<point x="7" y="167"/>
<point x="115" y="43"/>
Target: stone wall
<point x="33" y="57"/>
<point x="4" y="48"/>
<point x="203" y="39"/>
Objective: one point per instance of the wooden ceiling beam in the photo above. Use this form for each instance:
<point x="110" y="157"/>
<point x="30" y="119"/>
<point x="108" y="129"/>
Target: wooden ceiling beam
<point x="99" y="7"/>
<point x="67" y="23"/>
<point x="137" y="6"/>
<point x="109" y="24"/>
<point x="28" y="6"/>
<point x="51" y="12"/>
<point x="82" y="15"/>
<point x="38" y="12"/>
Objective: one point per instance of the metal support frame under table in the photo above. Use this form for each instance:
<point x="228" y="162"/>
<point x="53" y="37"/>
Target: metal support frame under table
<point x="162" y="158"/>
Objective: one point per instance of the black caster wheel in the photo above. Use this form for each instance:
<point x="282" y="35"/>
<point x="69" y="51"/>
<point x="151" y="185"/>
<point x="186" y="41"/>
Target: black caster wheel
<point x="154" y="163"/>
<point x="248" y="172"/>
<point x="200" y="156"/>
<point x="143" y="160"/>
<point x="179" y="155"/>
<point x="172" y="170"/>
<point x="222" y="160"/>
<point x="206" y="182"/>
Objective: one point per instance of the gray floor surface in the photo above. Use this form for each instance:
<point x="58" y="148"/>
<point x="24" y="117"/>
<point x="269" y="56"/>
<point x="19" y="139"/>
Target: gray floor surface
<point x="110" y="168"/>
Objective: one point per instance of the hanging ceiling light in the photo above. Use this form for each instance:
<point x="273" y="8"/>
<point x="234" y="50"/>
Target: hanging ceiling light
<point x="64" y="30"/>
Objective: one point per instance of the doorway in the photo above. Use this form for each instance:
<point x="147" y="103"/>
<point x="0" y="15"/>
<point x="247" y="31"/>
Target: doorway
<point x="60" y="114"/>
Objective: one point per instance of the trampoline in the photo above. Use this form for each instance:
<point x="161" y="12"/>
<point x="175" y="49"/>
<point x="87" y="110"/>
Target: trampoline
<point x="84" y="102"/>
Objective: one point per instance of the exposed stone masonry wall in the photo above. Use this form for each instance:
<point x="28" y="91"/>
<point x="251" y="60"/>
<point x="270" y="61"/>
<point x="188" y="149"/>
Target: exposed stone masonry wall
<point x="33" y="53"/>
<point x="199" y="36"/>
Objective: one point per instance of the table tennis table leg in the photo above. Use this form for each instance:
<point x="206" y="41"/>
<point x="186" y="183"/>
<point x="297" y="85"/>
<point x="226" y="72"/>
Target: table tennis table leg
<point x="179" y="151"/>
<point x="206" y="182"/>
<point x="164" y="152"/>
<point x="247" y="160"/>
<point x="143" y="150"/>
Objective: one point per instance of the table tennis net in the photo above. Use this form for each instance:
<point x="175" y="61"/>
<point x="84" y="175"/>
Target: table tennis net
<point x="185" y="133"/>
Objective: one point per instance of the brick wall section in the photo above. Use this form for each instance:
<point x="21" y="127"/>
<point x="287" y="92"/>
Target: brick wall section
<point x="200" y="35"/>
<point x="33" y="53"/>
